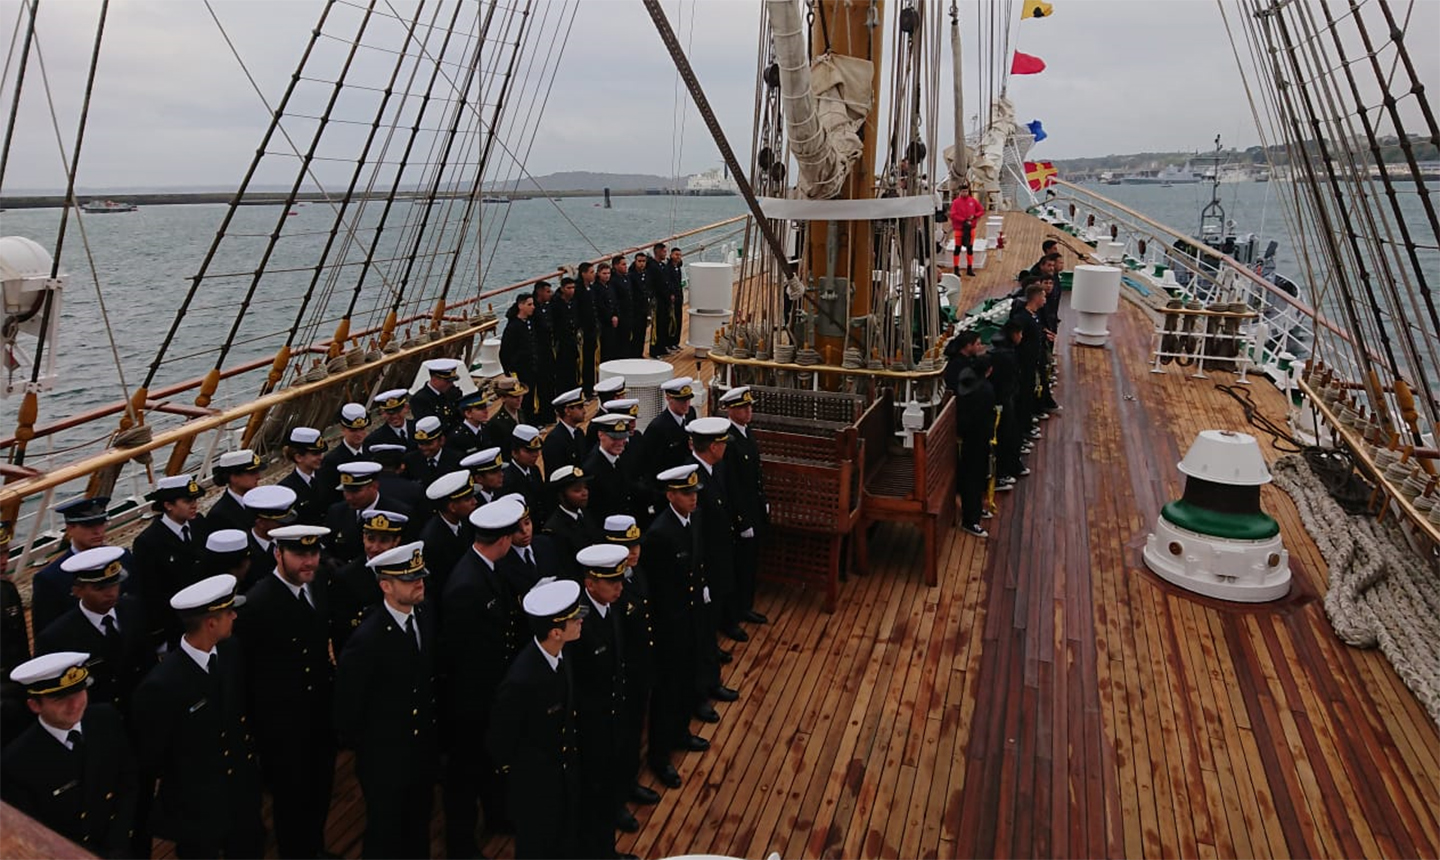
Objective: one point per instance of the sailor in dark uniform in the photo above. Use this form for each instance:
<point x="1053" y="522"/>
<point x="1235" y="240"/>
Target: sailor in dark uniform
<point x="398" y="427"/>
<point x="531" y="557"/>
<point x="606" y="390"/>
<point x="385" y="708"/>
<point x="520" y="347"/>
<point x="395" y="483"/>
<point x="361" y="493"/>
<point x="431" y="458"/>
<point x="238" y="472"/>
<point x="480" y="633"/>
<point x="353" y="589"/>
<point x="447" y="535"/>
<point x="742" y="461"/>
<point x="487" y="470"/>
<point x="168" y="553"/>
<point x="567" y="323"/>
<point x="717" y="539"/>
<point x="532" y="727"/>
<point x="471" y="433"/>
<point x="672" y="546"/>
<point x="723" y="522"/>
<point x="612" y="489"/>
<point x="85" y="526"/>
<point x="570" y="527"/>
<point x="354" y="427"/>
<point x="600" y="705"/>
<point x="544" y="342"/>
<point x="189" y="723"/>
<point x="228" y="551"/>
<point x="273" y="506"/>
<point x="72" y="769"/>
<point x="666" y="444"/>
<point x="306" y="450"/>
<point x="643" y="283"/>
<point x="523" y="473"/>
<point x="507" y="413"/>
<point x="440" y="396"/>
<point x="638" y="642"/>
<point x="14" y="645"/>
<point x="565" y="444"/>
<point x="107" y="625"/>
<point x="284" y="632"/>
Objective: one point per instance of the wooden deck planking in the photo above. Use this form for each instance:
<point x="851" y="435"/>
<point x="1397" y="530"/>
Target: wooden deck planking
<point x="1051" y="697"/>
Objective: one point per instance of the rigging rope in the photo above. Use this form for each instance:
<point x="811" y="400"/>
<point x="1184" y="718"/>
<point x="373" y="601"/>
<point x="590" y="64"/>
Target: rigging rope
<point x="34" y="6"/>
<point x="73" y="201"/>
<point x="681" y="109"/>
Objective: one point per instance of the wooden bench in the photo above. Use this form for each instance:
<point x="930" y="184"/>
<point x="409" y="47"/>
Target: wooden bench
<point x="914" y="485"/>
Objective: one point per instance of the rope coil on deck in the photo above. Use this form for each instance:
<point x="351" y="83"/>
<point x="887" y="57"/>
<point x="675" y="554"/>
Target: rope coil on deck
<point x="1380" y="592"/>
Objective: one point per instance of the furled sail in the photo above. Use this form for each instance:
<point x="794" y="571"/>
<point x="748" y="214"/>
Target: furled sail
<point x="825" y="104"/>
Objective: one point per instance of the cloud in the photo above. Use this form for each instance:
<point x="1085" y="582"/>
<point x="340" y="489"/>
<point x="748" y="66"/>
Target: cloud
<point x="172" y="106"/>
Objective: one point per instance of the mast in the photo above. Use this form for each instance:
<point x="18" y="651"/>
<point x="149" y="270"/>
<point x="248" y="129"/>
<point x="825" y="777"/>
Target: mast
<point x="841" y="253"/>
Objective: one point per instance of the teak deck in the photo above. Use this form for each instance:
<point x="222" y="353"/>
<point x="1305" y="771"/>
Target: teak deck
<point x="1051" y="697"/>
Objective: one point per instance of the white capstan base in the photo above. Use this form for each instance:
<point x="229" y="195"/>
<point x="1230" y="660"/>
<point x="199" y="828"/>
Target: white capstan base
<point x="1226" y="569"/>
<point x="1091" y="330"/>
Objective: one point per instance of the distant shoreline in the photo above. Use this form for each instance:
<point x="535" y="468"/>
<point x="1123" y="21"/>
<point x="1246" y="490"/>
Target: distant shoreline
<point x="275" y="198"/>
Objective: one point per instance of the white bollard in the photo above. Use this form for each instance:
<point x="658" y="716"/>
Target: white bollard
<point x="1094" y="296"/>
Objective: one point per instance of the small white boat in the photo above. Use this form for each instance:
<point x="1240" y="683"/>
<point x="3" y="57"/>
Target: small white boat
<point x="95" y="206"/>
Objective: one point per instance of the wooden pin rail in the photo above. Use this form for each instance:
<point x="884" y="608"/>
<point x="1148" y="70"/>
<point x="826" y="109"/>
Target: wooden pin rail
<point x="913" y="375"/>
<point x="18" y="490"/>
<point x="1361" y="451"/>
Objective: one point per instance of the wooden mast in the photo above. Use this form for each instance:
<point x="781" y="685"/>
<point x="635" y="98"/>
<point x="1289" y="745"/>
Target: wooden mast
<point x="842" y="25"/>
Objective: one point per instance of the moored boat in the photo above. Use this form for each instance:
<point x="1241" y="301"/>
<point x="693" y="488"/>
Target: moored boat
<point x="100" y="207"/>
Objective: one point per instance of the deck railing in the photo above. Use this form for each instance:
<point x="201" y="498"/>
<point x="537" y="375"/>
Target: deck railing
<point x="1196" y="270"/>
<point x="64" y="453"/>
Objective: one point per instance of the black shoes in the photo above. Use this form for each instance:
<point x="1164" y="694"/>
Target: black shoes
<point x="667" y="774"/>
<point x="723" y="656"/>
<point x="734" y="633"/>
<point x="706" y="713"/>
<point x="722" y="693"/>
<point x="695" y="743"/>
<point x="625" y="820"/>
<point x="750" y="616"/>
<point x="644" y="796"/>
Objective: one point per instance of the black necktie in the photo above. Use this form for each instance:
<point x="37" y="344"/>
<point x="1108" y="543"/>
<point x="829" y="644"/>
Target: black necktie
<point x="529" y="559"/>
<point x="185" y="533"/>
<point x="410" y="631"/>
<point x="213" y="664"/>
<point x="112" y="634"/>
<point x="75" y="739"/>
<point x="304" y="600"/>
<point x="434" y="463"/>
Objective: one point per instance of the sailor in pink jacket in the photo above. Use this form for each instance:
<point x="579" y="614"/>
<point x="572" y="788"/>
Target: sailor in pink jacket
<point x="965" y="210"/>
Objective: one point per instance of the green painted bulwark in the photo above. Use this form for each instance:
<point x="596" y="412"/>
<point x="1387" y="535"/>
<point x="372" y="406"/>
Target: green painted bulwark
<point x="1256" y="526"/>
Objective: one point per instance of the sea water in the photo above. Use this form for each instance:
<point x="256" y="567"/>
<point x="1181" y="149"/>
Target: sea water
<point x="145" y="260"/>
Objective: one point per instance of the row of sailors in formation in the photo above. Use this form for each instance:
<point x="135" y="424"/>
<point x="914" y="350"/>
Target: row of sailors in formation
<point x="543" y="732"/>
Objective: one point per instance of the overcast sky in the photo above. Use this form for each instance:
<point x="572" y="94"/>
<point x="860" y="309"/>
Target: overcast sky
<point x="172" y="107"/>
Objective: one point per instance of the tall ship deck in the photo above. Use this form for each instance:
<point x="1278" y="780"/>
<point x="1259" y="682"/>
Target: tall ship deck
<point x="920" y="689"/>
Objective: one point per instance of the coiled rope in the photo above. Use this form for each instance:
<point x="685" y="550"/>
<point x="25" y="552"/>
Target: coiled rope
<point x="1381" y="592"/>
